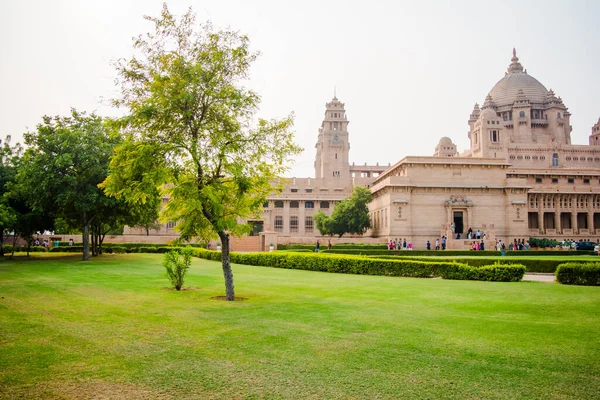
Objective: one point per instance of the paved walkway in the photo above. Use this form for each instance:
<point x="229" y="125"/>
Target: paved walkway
<point x="548" y="278"/>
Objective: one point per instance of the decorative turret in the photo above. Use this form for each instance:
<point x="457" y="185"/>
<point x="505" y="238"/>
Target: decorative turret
<point x="475" y="113"/>
<point x="595" y="136"/>
<point x="515" y="65"/>
<point x="489" y="102"/>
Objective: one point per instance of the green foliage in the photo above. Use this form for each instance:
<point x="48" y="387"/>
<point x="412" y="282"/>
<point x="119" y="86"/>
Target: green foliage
<point x="543" y="242"/>
<point x="372" y="266"/>
<point x="176" y="263"/>
<point x="574" y="273"/>
<point x="532" y="263"/>
<point x="496" y="272"/>
<point x="192" y="131"/>
<point x="66" y="159"/>
<point x="350" y="215"/>
<point x="8" y="248"/>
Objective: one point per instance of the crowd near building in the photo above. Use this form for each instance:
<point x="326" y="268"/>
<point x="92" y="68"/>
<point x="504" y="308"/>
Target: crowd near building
<point x="521" y="177"/>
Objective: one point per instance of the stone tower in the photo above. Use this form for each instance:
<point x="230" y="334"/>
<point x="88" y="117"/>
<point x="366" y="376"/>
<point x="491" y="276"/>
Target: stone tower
<point x="332" y="145"/>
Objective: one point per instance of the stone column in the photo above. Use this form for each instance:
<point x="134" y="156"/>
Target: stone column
<point x="574" y="215"/>
<point x="590" y="214"/>
<point x="286" y="217"/>
<point x="301" y="218"/>
<point x="541" y="213"/>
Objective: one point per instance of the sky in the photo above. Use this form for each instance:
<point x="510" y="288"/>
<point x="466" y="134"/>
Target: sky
<point x="409" y="72"/>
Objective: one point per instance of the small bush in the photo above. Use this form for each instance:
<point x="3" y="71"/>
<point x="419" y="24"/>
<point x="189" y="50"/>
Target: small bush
<point x="496" y="272"/>
<point x="176" y="263"/>
<point x="573" y="273"/>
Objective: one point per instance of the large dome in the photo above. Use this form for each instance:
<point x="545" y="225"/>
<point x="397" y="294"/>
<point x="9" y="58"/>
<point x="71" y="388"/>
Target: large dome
<point x="505" y="92"/>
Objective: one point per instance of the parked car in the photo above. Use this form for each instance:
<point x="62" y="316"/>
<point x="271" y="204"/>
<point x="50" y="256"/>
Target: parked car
<point x="585" y="246"/>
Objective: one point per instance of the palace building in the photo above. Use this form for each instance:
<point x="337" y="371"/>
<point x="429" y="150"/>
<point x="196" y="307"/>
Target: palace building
<point x="521" y="177"/>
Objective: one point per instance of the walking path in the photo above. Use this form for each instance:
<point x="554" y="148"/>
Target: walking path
<point x="548" y="278"/>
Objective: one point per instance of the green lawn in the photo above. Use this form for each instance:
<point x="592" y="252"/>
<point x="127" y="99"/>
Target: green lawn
<point x="110" y="328"/>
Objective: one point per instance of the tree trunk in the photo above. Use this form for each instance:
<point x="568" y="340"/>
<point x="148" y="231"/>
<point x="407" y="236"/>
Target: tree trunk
<point x="147" y="231"/>
<point x="14" y="244"/>
<point x="85" y="238"/>
<point x="226" y="262"/>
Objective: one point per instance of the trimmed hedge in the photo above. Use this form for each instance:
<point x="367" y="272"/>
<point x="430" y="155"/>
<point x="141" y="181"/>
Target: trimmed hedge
<point x="346" y="264"/>
<point x="495" y="273"/>
<point x="574" y="273"/>
<point x="530" y="263"/>
<point x="335" y="246"/>
<point x="7" y="248"/>
<point x="450" y="253"/>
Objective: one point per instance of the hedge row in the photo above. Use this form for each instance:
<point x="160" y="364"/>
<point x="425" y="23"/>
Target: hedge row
<point x="574" y="273"/>
<point x="369" y="266"/>
<point x="530" y="263"/>
<point x="7" y="248"/>
<point x="449" y="253"/>
<point x="335" y="246"/>
<point x="496" y="272"/>
<point x="109" y="249"/>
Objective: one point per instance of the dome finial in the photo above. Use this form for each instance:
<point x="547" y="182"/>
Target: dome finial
<point x="334" y="93"/>
<point x="515" y="65"/>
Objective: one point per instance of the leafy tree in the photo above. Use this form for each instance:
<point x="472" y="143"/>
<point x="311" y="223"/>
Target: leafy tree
<point x="192" y="132"/>
<point x="9" y="159"/>
<point x="60" y="171"/>
<point x="350" y="215"/>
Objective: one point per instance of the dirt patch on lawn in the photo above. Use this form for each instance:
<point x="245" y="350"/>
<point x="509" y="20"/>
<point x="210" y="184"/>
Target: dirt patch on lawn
<point x="183" y="289"/>
<point x="93" y="389"/>
<point x="225" y="298"/>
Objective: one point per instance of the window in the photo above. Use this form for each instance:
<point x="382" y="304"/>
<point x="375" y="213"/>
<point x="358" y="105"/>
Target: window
<point x="278" y="223"/>
<point x="336" y="156"/>
<point x="571" y="180"/>
<point x="586" y="181"/>
<point x="294" y="223"/>
<point x="554" y="180"/>
<point x="294" y="190"/>
<point x="278" y="204"/>
<point x="309" y="204"/>
<point x="555" y="159"/>
<point x="522" y="114"/>
<point x="505" y="117"/>
<point x="308" y="225"/>
<point x="324" y="204"/>
<point x="171" y="224"/>
<point x="266" y="204"/>
<point x="557" y="115"/>
<point x="294" y="204"/>
<point x="538" y="180"/>
<point x="308" y="190"/>
<point x="495" y="136"/>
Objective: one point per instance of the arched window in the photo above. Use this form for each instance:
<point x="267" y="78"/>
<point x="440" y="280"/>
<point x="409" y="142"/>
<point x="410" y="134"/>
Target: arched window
<point x="324" y="204"/>
<point x="278" y="204"/>
<point x="294" y="204"/>
<point x="309" y="204"/>
<point x="522" y="114"/>
<point x="555" y="160"/>
<point x="557" y="115"/>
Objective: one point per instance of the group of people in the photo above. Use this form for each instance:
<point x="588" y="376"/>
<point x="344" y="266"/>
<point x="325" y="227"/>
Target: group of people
<point x="398" y="244"/>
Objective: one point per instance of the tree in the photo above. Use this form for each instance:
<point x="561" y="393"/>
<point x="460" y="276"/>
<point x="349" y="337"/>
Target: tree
<point x="350" y="215"/>
<point x="192" y="132"/>
<point x="60" y="171"/>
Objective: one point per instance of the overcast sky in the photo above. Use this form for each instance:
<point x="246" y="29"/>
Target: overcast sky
<point x="408" y="72"/>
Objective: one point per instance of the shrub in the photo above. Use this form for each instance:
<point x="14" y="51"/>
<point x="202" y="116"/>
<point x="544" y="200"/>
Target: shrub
<point x="573" y="273"/>
<point x="176" y="263"/>
<point x="496" y="272"/>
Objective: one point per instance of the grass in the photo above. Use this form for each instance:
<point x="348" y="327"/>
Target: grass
<point x="111" y="328"/>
